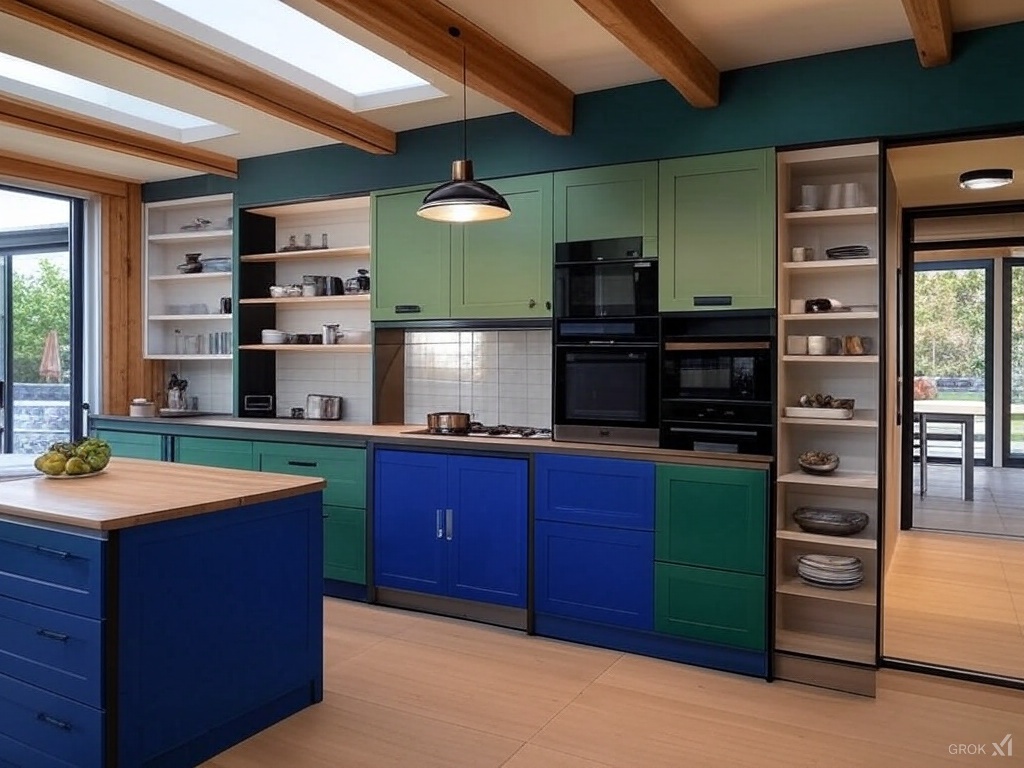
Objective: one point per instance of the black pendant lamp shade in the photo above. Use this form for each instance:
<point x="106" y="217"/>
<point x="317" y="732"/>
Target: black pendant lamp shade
<point x="463" y="199"/>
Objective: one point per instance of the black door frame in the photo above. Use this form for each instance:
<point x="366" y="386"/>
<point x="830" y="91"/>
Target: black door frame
<point x="1008" y="265"/>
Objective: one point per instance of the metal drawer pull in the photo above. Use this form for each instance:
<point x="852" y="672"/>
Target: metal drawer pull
<point x="440" y="525"/>
<point x="325" y="515"/>
<point x="448" y="524"/>
<point x="55" y="552"/>
<point x="49" y="633"/>
<point x="302" y="464"/>
<point x="64" y="726"/>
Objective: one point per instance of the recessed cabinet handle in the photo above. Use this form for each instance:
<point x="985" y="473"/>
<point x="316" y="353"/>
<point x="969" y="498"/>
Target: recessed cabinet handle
<point x="302" y="464"/>
<point x="49" y="633"/>
<point x="712" y="301"/>
<point x="440" y="525"/>
<point x="55" y="552"/>
<point x="63" y="725"/>
<point x="533" y="303"/>
<point x="407" y="309"/>
<point x="448" y="524"/>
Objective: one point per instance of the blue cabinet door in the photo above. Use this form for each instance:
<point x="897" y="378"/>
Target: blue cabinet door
<point x="409" y="508"/>
<point x="487" y="550"/>
<point x="609" y="492"/>
<point x="588" y="572"/>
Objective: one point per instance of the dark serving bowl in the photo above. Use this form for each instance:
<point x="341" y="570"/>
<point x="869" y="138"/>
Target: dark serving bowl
<point x="809" y="462"/>
<point x="831" y="522"/>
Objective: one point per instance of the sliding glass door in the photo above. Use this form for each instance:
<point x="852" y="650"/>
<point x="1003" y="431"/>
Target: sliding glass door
<point x="1013" y="363"/>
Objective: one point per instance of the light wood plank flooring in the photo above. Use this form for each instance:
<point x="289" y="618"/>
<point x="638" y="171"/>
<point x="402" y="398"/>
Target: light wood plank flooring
<point x="405" y="689"/>
<point x="958" y="601"/>
<point x="997" y="508"/>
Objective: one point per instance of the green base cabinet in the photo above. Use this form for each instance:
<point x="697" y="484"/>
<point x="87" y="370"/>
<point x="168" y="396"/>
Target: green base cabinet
<point x="707" y="605"/>
<point x="717" y="232"/>
<point x="133" y="445"/>
<point x="503" y="269"/>
<point x="345" y="544"/>
<point x="214" y="452"/>
<point x="610" y="202"/>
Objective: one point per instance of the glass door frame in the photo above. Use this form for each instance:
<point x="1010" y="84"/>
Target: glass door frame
<point x="1009" y="263"/>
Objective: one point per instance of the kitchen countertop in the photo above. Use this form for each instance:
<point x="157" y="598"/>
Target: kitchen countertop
<point x="406" y="434"/>
<point x="135" y="492"/>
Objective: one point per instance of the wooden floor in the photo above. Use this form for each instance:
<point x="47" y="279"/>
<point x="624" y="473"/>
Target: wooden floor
<point x="958" y="601"/>
<point x="997" y="507"/>
<point x="404" y="689"/>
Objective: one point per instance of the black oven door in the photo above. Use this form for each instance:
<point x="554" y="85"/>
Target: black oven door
<point x="606" y="289"/>
<point x="733" y="371"/>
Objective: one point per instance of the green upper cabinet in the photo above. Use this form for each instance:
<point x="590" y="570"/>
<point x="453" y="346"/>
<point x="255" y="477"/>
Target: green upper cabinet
<point x="504" y="268"/>
<point x="717" y="232"/>
<point x="610" y="202"/>
<point x="410" y="259"/>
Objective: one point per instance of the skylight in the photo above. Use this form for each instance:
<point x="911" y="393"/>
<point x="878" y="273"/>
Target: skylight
<point x="279" y="39"/>
<point x="59" y="89"/>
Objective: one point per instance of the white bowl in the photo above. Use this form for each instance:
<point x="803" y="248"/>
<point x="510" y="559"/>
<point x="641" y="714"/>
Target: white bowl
<point x="271" y="336"/>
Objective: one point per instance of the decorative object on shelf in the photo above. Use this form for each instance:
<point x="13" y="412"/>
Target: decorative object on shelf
<point x="818" y="462"/>
<point x="323" y="240"/>
<point x="272" y="336"/>
<point x="298" y="413"/>
<point x="329" y="333"/>
<point x="852" y="195"/>
<point x="285" y="291"/>
<point x="986" y="178"/>
<point x="824" y="305"/>
<point x="334" y="286"/>
<point x="802" y="253"/>
<point x="327" y="407"/>
<point x="796" y="345"/>
<point x="219" y="264"/>
<point x="197" y="224"/>
<point x="293" y="245"/>
<point x="817" y="345"/>
<point x="831" y="571"/>
<point x="142" y="408"/>
<point x="360" y="283"/>
<point x="848" y="252"/>
<point x="797" y="306"/>
<point x="307" y="241"/>
<point x="856" y="345"/>
<point x="314" y="285"/>
<point x="809" y="198"/>
<point x="176" y="392"/>
<point x="830" y="522"/>
<point x="463" y="200"/>
<point x="192" y="264"/>
<point x="819" y="400"/>
<point x="832" y="414"/>
<point x="225" y="305"/>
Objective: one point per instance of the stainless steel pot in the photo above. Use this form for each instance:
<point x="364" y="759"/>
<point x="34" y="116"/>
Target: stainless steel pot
<point x="448" y="423"/>
<point x="323" y="407"/>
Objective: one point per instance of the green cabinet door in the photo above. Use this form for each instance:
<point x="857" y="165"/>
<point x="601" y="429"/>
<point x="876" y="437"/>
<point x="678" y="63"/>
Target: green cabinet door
<point x="344" y="469"/>
<point x="410" y="259"/>
<point x="345" y="544"/>
<point x="610" y="202"/>
<point x="133" y="445"/>
<point x="503" y="268"/>
<point x="214" y="452"/>
<point x="717" y="232"/>
<point x="712" y="516"/>
<point x="710" y="606"/>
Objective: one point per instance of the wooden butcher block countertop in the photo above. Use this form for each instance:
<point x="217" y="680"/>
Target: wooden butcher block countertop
<point x="134" y="492"/>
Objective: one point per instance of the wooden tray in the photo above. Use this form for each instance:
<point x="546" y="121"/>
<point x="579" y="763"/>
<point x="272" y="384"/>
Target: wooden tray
<point x="799" y="412"/>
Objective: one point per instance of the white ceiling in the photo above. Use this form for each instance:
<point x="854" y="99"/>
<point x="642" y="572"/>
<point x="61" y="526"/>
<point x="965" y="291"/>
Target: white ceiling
<point x="555" y="34"/>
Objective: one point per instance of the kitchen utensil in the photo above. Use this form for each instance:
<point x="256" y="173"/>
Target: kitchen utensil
<point x="140" y="407"/>
<point x="818" y="462"/>
<point x="190" y="267"/>
<point x="831" y="522"/>
<point x="363" y="280"/>
<point x="298" y="413"/>
<point x="803" y="253"/>
<point x="325" y="407"/>
<point x="335" y="286"/>
<point x="835" y="345"/>
<point x="271" y="336"/>
<point x="220" y="264"/>
<point x="809" y="197"/>
<point x="848" y="252"/>
<point x="797" y="306"/>
<point x="319" y="283"/>
<point x="817" y="345"/>
<point x="323" y="240"/>
<point x="307" y="241"/>
<point x="196" y="224"/>
<point x="225" y="305"/>
<point x="329" y="333"/>
<point x="448" y="423"/>
<point x="856" y="345"/>
<point x="852" y="195"/>
<point x="796" y="345"/>
<point x="834" y="197"/>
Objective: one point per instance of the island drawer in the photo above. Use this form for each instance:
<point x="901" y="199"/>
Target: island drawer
<point x="344" y="469"/>
<point x="52" y="568"/>
<point x="41" y="729"/>
<point x="614" y="493"/>
<point x="51" y="649"/>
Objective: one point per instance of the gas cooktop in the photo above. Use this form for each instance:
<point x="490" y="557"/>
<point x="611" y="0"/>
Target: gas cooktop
<point x="476" y="429"/>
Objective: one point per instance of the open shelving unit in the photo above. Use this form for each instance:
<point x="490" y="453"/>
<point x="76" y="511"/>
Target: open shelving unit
<point x="815" y="624"/>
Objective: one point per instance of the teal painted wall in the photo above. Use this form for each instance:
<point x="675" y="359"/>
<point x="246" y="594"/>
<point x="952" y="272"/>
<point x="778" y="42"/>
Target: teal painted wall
<point x="866" y="93"/>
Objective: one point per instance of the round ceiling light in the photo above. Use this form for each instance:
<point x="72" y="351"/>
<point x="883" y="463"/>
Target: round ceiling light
<point x="987" y="178"/>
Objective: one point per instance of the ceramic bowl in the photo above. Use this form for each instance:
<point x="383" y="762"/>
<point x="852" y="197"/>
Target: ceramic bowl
<point x="818" y="462"/>
<point x="830" y="522"/>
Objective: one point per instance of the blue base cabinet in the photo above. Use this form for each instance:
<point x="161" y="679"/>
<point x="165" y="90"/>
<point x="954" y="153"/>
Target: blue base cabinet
<point x="451" y="525"/>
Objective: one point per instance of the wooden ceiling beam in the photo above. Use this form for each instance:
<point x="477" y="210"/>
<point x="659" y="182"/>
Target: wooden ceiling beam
<point x="69" y="126"/>
<point x="23" y="168"/>
<point x="644" y="29"/>
<point x="117" y="32"/>
<point x="932" y="25"/>
<point x="420" y="28"/>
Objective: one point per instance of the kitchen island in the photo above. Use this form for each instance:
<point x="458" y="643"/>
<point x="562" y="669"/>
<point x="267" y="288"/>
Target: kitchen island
<point x="156" y="613"/>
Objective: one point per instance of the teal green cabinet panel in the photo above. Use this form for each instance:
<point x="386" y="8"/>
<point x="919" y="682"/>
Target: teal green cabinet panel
<point x="344" y="469"/>
<point x="710" y="606"/>
<point x="345" y="544"/>
<point x="214" y="452"/>
<point x="133" y="445"/>
<point x="410" y="259"/>
<point x="717" y="232"/>
<point x="712" y="516"/>
<point x="503" y="268"/>
<point x="609" y="202"/>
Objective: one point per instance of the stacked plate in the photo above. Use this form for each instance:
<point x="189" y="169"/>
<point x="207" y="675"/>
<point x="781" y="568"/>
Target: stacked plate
<point x="848" y="252"/>
<point x="831" y="571"/>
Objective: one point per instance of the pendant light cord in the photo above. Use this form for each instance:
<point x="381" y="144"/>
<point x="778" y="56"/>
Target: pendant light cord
<point x="456" y="33"/>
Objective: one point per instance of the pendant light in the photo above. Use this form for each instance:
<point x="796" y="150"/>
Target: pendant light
<point x="987" y="178"/>
<point x="462" y="199"/>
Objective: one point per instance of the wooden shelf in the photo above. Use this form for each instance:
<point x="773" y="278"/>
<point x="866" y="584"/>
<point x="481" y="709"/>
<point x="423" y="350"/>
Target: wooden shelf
<point x="323" y="348"/>
<point x="197" y="236"/>
<point x="793" y="585"/>
<point x="838" y="479"/>
<point x="312" y="301"/>
<point x="190" y="317"/>
<point x="194" y="276"/>
<point x="851" y="359"/>
<point x="861" y="420"/>
<point x="849" y="542"/>
<point x="833" y="216"/>
<point x="828" y="646"/>
<point x="807" y="316"/>
<point x="189" y="357"/>
<point x="353" y="252"/>
<point x="830" y="266"/>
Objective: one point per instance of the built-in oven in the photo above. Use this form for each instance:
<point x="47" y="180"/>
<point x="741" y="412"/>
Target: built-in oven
<point x="605" y="278"/>
<point x="606" y="378"/>
<point x="717" y="396"/>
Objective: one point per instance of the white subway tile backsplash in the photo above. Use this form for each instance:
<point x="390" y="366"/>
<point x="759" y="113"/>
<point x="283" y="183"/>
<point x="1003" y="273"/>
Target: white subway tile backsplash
<point x="347" y="375"/>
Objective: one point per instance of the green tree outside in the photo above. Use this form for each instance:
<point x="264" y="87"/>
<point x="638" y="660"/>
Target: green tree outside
<point x="949" y="323"/>
<point x="41" y="303"/>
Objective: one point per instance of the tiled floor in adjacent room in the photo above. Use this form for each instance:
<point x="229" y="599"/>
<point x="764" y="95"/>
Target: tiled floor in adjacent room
<point x="996" y="509"/>
<point x="406" y="689"/>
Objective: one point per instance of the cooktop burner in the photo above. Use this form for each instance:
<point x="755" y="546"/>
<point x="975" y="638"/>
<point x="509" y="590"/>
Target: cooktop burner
<point x="477" y="429"/>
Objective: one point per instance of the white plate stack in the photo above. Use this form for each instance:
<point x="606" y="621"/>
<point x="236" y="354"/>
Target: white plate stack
<point x="831" y="571"/>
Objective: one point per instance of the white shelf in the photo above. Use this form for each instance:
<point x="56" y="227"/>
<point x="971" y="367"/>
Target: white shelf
<point x="354" y="252"/>
<point x="196" y="236"/>
<point x="189" y="357"/>
<point x="828" y="646"/>
<point x="190" y="317"/>
<point x="833" y="216"/>
<point x="309" y="302"/>
<point x="860" y="420"/>
<point x="838" y="479"/>
<point x="322" y="348"/>
<point x="793" y="585"/>
<point x="830" y="265"/>
<point x="194" y="276"/>
<point x="845" y="359"/>
<point x="809" y="316"/>
<point x="848" y="542"/>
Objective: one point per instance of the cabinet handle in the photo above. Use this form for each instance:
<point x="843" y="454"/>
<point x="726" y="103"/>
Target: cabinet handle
<point x="712" y="301"/>
<point x="407" y="309"/>
<point x="533" y="303"/>
<point x="448" y="524"/>
<point x="325" y="516"/>
<point x="302" y="464"/>
<point x="63" y="725"/>
<point x="439" y="524"/>
<point x="49" y="633"/>
<point x="55" y="552"/>
<point x="547" y="305"/>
